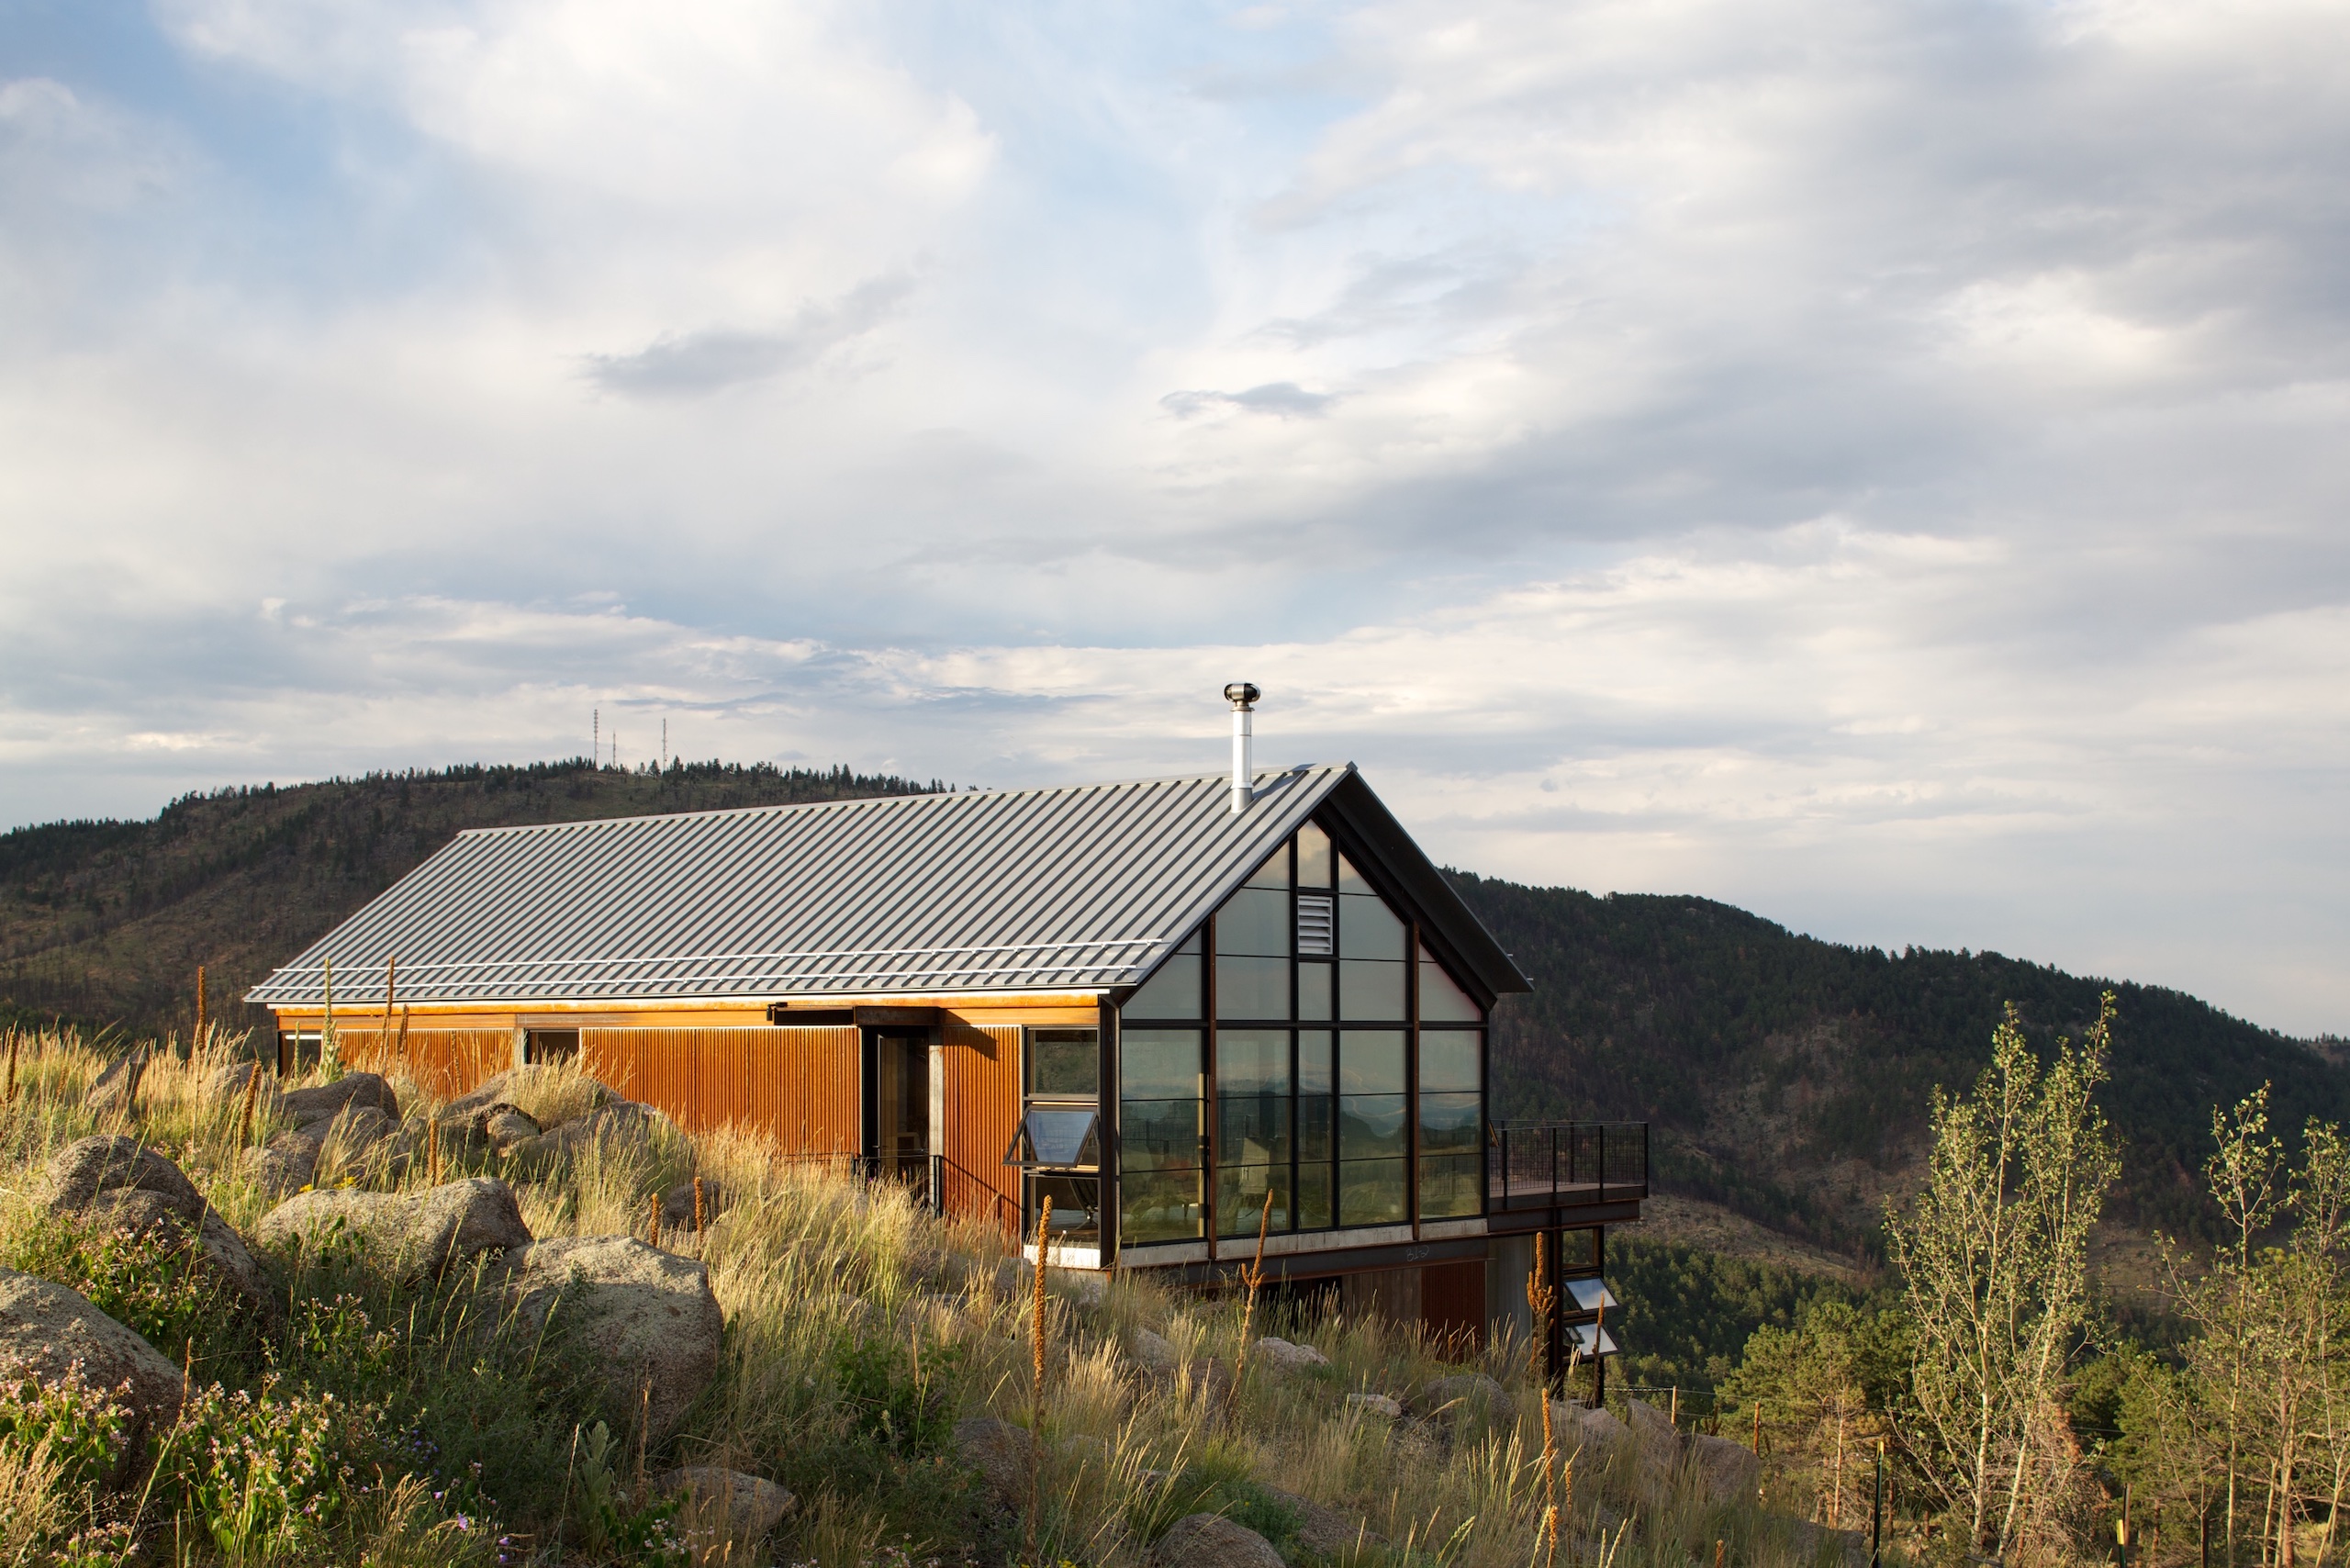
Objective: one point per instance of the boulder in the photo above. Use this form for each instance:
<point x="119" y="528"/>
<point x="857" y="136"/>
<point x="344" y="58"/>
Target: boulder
<point x="421" y="1232"/>
<point x="1813" y="1541"/>
<point x="1004" y="1455"/>
<point x="1656" y="1438"/>
<point x="1376" y="1405"/>
<point x="1728" y="1471"/>
<point x="1464" y="1395"/>
<point x="1282" y="1356"/>
<point x="646" y="1317"/>
<point x="533" y="1081"/>
<point x="1596" y="1432"/>
<point x="506" y="1126"/>
<point x="1153" y="1352"/>
<point x="1207" y="1378"/>
<point x="122" y="1184"/>
<point x="1211" y="1540"/>
<point x="624" y="1123"/>
<point x="678" y="1208"/>
<point x="742" y="1507"/>
<point x="52" y="1330"/>
<point x="307" y="1107"/>
<point x="117" y="1089"/>
<point x="1323" y="1533"/>
<point x="286" y="1163"/>
<point x="227" y="1086"/>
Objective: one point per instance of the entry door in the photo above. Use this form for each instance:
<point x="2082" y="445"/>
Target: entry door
<point x="901" y="1105"/>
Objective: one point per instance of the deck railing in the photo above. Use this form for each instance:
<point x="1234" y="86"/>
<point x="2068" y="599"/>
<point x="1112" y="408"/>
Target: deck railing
<point x="1549" y="1164"/>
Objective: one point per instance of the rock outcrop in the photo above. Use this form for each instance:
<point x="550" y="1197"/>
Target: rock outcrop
<point x="647" y="1318"/>
<point x="417" y="1233"/>
<point x="352" y="1091"/>
<point x="1658" y="1440"/>
<point x="1325" y="1532"/>
<point x="1211" y="1540"/>
<point x="741" y="1507"/>
<point x="1596" y="1432"/>
<point x="1282" y="1356"/>
<point x="120" y="1184"/>
<point x="679" y="1209"/>
<point x="1728" y="1471"/>
<point x="52" y="1329"/>
<point x="117" y="1089"/>
<point x="1464" y="1396"/>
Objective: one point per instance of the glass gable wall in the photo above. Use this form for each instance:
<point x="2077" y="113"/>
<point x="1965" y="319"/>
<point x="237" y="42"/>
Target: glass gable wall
<point x="1269" y="1074"/>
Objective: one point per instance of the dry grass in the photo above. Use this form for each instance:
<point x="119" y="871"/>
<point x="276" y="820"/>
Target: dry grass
<point x="813" y="1268"/>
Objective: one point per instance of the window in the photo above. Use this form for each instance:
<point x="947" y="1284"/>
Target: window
<point x="1451" y="1140"/>
<point x="1174" y="990"/>
<point x="550" y="1045"/>
<point x="1328" y="1110"/>
<point x="1160" y="1130"/>
<point x="1254" y="1106"/>
<point x="1060" y="1144"/>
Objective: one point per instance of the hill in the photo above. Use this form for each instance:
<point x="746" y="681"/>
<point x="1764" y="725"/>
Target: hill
<point x="1787" y="1078"/>
<point x="106" y="922"/>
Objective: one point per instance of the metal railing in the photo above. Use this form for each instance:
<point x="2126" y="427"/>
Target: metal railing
<point x="1547" y="1164"/>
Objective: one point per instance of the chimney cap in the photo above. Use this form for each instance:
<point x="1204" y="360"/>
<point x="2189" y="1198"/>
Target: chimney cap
<point x="1240" y="694"/>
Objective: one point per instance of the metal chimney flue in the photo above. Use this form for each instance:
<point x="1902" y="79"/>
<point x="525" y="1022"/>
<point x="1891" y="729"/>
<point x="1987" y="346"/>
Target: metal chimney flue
<point x="1243" y="698"/>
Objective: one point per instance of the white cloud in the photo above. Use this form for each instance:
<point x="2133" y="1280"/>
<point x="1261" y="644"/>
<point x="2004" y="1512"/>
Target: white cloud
<point x="1873" y="463"/>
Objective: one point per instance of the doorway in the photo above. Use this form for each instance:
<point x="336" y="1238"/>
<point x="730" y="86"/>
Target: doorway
<point x="900" y="1106"/>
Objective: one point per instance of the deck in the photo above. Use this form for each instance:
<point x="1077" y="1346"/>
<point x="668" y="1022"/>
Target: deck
<point x="1555" y="1165"/>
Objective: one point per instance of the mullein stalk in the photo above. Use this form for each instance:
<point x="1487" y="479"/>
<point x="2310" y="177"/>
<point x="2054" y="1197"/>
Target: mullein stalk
<point x="1540" y="1299"/>
<point x="1036" y="1378"/>
<point x="1253" y="1276"/>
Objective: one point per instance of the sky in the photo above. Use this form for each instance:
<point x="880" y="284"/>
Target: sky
<point x="1880" y="465"/>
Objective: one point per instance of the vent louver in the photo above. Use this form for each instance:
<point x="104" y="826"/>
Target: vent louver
<point x="1314" y="925"/>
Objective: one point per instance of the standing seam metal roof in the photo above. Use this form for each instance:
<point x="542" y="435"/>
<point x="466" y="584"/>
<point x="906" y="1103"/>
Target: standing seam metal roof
<point x="1079" y="887"/>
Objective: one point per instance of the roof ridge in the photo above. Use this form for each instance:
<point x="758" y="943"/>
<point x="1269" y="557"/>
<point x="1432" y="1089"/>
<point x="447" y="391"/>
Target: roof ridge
<point x="871" y="802"/>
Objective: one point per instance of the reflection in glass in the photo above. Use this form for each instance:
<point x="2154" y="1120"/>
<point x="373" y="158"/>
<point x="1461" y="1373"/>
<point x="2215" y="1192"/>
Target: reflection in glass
<point x="1449" y="1061"/>
<point x="1442" y="1001"/>
<point x="1254" y="920"/>
<point x="1448" y="1123"/>
<point x="1371" y="1191"/>
<point x="1314" y="1192"/>
<point x="1065" y="1063"/>
<point x="1313" y="860"/>
<point x="1314" y="990"/>
<point x="1158" y="1205"/>
<point x="1370" y="1061"/>
<point x="1274" y="872"/>
<point x="1370" y="1127"/>
<point x="1448" y="1185"/>
<point x="1350" y="880"/>
<point x="1153" y="1134"/>
<point x="1369" y="929"/>
<point x="1159" y="1064"/>
<point x="1241" y="1192"/>
<point x="1371" y="991"/>
<point x="1253" y="988"/>
<point x="1174" y="990"/>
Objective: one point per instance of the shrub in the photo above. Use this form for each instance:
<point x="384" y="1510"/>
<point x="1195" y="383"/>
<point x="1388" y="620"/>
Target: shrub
<point x="148" y="1281"/>
<point x="264" y="1476"/>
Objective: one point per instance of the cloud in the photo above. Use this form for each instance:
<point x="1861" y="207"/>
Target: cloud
<point x="1282" y="399"/>
<point x="697" y="363"/>
<point x="1889" y="480"/>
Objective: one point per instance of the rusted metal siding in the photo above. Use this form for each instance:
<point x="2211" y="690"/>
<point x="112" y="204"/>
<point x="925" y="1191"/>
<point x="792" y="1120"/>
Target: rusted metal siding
<point x="982" y="1110"/>
<point x="795" y="1087"/>
<point x="443" y="1062"/>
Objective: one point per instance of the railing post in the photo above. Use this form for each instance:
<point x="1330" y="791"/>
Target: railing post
<point x="1603" y="1161"/>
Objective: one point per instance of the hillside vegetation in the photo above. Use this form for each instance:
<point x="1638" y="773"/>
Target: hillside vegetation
<point x="356" y="1397"/>
<point x="104" y="921"/>
<point x="1789" y="1078"/>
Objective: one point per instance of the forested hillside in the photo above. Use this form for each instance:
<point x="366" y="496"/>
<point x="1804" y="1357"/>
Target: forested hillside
<point x="1789" y="1078"/>
<point x="104" y="921"/>
<point x="1786" y="1077"/>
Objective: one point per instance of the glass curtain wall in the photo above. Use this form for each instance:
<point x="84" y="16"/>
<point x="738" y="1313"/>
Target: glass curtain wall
<point x="1291" y="1039"/>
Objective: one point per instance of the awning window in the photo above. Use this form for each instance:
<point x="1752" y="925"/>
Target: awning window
<point x="1593" y="1340"/>
<point x="1058" y="1138"/>
<point x="1590" y="1295"/>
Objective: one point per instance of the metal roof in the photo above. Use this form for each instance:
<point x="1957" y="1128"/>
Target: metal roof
<point x="1079" y="887"/>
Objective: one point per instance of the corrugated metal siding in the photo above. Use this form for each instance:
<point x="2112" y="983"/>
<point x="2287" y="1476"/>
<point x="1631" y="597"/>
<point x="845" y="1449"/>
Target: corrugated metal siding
<point x="982" y="1095"/>
<point x="796" y="1087"/>
<point x="444" y="1063"/>
<point x="1039" y="889"/>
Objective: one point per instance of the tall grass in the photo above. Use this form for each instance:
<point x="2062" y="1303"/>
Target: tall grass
<point x="860" y="1328"/>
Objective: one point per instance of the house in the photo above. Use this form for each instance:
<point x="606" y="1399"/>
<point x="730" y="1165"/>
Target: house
<point x="1180" y="1008"/>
